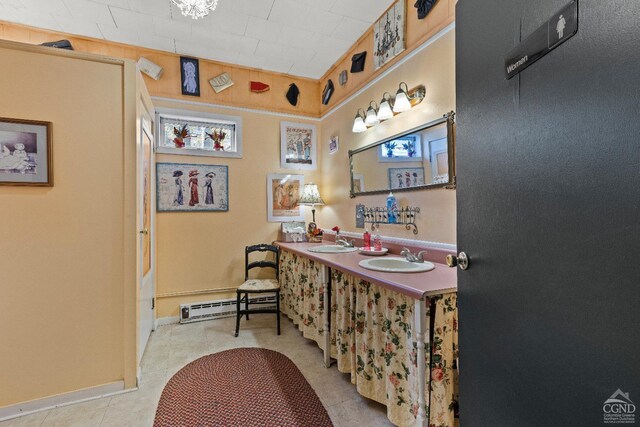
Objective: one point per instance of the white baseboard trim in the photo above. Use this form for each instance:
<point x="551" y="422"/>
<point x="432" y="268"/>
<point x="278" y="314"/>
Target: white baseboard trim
<point x="65" y="399"/>
<point x="422" y="244"/>
<point x="163" y="321"/>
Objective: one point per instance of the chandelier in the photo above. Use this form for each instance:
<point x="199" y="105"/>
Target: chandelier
<point x="196" y="8"/>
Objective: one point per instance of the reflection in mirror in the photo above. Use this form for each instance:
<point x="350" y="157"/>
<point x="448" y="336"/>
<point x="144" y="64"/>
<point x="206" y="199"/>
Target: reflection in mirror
<point x="421" y="158"/>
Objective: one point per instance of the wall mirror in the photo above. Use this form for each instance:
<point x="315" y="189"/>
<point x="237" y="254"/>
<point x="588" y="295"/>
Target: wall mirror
<point x="421" y="158"/>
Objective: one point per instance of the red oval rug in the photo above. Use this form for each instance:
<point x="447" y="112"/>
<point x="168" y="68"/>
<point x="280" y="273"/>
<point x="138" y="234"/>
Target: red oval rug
<point x="242" y="387"/>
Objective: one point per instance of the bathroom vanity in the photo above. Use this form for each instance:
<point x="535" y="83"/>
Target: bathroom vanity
<point x="387" y="330"/>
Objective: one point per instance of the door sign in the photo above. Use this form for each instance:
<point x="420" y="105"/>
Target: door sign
<point x="560" y="28"/>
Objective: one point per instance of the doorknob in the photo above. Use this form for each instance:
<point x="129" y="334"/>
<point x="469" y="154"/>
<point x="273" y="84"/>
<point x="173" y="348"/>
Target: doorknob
<point x="461" y="260"/>
<point x="144" y="231"/>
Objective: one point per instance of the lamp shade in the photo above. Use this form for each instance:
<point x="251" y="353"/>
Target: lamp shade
<point x="310" y="195"/>
<point x="385" y="113"/>
<point x="358" y="124"/>
<point x="372" y="116"/>
<point x="402" y="102"/>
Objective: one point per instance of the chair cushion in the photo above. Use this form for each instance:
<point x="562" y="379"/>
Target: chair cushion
<point x="260" y="285"/>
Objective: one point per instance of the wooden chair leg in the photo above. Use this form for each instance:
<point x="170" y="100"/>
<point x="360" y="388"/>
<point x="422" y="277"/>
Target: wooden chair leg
<point x="237" y="313"/>
<point x="278" y="309"/>
<point x="246" y="304"/>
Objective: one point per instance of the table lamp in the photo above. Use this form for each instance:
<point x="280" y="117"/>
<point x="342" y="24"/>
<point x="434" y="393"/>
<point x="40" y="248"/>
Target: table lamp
<point x="311" y="197"/>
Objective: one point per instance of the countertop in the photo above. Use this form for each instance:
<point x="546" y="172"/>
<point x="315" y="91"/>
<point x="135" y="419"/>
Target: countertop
<point x="441" y="280"/>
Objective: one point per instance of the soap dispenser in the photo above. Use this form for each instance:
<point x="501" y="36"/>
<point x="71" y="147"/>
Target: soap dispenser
<point x="392" y="209"/>
<point x="366" y="237"/>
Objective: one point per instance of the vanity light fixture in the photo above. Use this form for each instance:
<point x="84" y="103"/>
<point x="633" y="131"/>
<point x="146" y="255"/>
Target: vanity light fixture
<point x="372" y="115"/>
<point x="358" y="122"/>
<point x="196" y="8"/>
<point x="407" y="99"/>
<point x="404" y="100"/>
<point x="384" y="112"/>
<point x="311" y="197"/>
<point x="402" y="103"/>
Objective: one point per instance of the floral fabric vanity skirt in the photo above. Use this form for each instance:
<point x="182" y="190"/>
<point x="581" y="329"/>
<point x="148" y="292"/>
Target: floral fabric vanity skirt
<point x="373" y="339"/>
<point x="302" y="294"/>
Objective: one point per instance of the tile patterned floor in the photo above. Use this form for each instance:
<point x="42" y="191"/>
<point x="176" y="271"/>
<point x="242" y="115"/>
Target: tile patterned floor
<point x="171" y="347"/>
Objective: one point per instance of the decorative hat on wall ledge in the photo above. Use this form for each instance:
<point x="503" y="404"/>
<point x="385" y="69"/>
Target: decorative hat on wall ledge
<point x="221" y="82"/>
<point x="151" y="69"/>
<point x="357" y="62"/>
<point x="327" y="92"/>
<point x="424" y="7"/>
<point x="292" y="94"/>
<point x="258" y="87"/>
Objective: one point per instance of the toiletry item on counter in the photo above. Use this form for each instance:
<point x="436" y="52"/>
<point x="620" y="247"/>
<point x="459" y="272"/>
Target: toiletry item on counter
<point x="392" y="209"/>
<point x="292" y="232"/>
<point x="367" y="239"/>
<point x="314" y="234"/>
<point x="377" y="241"/>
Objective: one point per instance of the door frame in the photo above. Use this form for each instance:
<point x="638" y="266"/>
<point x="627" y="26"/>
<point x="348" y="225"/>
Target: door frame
<point x="146" y="128"/>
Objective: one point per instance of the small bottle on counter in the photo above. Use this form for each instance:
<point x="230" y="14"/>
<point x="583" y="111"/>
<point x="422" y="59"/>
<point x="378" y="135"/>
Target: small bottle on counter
<point x="367" y="240"/>
<point x="392" y="209"/>
<point x="377" y="241"/>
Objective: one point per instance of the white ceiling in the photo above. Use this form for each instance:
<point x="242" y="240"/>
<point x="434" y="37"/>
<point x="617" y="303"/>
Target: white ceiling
<point x="299" y="37"/>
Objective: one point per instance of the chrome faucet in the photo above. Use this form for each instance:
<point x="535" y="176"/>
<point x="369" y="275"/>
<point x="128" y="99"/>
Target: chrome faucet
<point x="419" y="257"/>
<point x="344" y="242"/>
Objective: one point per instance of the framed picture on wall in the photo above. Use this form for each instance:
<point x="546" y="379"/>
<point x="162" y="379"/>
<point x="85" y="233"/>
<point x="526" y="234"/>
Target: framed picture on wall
<point x="183" y="187"/>
<point x="388" y="35"/>
<point x="283" y="193"/>
<point x="405" y="177"/>
<point x="190" y="76"/>
<point x="333" y="145"/>
<point x="298" y="146"/>
<point x="25" y="153"/>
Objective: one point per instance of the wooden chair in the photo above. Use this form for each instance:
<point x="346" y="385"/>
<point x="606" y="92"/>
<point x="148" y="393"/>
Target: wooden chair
<point x="258" y="286"/>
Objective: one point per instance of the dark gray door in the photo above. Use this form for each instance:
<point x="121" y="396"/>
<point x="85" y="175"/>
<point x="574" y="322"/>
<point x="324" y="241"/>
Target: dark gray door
<point x="549" y="215"/>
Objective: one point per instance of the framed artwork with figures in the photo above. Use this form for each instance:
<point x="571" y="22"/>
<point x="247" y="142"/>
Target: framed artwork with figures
<point x="283" y="193"/>
<point x="298" y="146"/>
<point x="405" y="177"/>
<point x="25" y="153"/>
<point x="190" y="76"/>
<point x="183" y="187"/>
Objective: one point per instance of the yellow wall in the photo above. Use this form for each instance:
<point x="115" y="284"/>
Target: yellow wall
<point x="204" y="251"/>
<point x="434" y="67"/>
<point x="64" y="279"/>
<point x="200" y="251"/>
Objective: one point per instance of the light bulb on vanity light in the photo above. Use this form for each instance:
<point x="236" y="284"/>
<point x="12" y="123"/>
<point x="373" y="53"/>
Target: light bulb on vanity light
<point x="372" y="115"/>
<point x="358" y="122"/>
<point x="384" y="112"/>
<point x="402" y="102"/>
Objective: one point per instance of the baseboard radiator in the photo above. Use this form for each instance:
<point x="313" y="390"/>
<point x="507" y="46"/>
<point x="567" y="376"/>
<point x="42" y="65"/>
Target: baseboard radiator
<point x="218" y="309"/>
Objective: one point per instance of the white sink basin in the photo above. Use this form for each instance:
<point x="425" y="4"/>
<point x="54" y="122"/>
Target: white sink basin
<point x="331" y="249"/>
<point x="396" y="265"/>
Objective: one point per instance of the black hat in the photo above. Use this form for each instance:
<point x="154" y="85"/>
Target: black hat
<point x="357" y="62"/>
<point x="327" y="92"/>
<point x="177" y="174"/>
<point x="292" y="94"/>
<point x="424" y="7"/>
